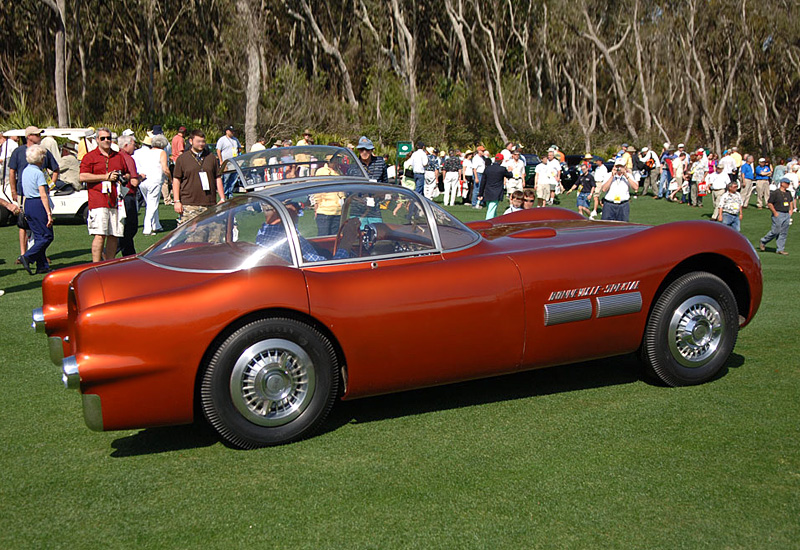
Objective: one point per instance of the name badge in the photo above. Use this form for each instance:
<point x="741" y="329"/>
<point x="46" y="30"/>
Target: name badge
<point x="204" y="181"/>
<point x="785" y="203"/>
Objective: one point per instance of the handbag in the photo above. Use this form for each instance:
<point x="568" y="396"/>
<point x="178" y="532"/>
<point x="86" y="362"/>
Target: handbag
<point x="702" y="189"/>
<point x="22" y="221"/>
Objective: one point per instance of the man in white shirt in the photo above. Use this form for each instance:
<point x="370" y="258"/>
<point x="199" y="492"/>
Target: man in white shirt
<point x="478" y="166"/>
<point x="546" y="179"/>
<point x="555" y="167"/>
<point x="419" y="160"/>
<point x="516" y="166"/>
<point x="7" y="146"/>
<point x="728" y="164"/>
<point x="228" y="147"/>
<point x="259" y="145"/>
<point x="717" y="182"/>
<point x="600" y="176"/>
<point x="618" y="187"/>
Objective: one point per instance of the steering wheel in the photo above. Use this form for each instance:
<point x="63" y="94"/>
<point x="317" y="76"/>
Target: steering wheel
<point x="369" y="236"/>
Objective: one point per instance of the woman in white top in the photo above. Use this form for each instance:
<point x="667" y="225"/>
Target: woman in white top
<point x="151" y="163"/>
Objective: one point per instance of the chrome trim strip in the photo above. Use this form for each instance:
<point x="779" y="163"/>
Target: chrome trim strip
<point x="92" y="411"/>
<point x="56" y="348"/>
<point x="70" y="375"/>
<point x="567" y="312"/>
<point x="619" y="304"/>
<point x="38" y="319"/>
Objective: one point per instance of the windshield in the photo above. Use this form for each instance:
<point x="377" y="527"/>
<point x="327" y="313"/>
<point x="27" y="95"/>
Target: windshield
<point x="283" y="165"/>
<point x="227" y="238"/>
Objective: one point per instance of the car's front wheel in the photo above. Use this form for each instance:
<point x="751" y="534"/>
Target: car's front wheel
<point x="691" y="331"/>
<point x="270" y="382"/>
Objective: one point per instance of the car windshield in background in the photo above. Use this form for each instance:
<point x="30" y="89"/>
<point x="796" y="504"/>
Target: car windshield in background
<point x="288" y="164"/>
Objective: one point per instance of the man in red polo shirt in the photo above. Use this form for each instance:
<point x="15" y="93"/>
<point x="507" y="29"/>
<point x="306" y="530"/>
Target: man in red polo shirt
<point x="99" y="171"/>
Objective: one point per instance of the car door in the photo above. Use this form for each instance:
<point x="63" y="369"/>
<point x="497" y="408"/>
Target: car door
<point x="412" y="318"/>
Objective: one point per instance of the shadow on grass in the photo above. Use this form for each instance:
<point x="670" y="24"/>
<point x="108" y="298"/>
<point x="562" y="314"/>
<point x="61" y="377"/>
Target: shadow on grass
<point x="164" y="440"/>
<point x="613" y="371"/>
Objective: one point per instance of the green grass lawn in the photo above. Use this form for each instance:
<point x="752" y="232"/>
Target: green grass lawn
<point x="580" y="456"/>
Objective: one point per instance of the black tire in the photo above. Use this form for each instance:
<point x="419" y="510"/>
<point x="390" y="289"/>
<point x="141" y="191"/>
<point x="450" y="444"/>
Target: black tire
<point x="271" y="382"/>
<point x="691" y="331"/>
<point x="83" y="214"/>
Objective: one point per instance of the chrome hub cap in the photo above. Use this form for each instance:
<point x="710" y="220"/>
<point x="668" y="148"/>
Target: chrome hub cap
<point x="695" y="331"/>
<point x="272" y="382"/>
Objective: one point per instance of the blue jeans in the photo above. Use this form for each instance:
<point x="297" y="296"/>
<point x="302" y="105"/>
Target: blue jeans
<point x="779" y="230"/>
<point x="731" y="220"/>
<point x="419" y="183"/>
<point x="476" y="188"/>
<point x="228" y="182"/>
<point x="663" y="184"/>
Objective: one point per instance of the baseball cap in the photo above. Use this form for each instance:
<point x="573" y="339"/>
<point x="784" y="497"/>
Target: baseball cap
<point x="365" y="143"/>
<point x="762" y="159"/>
<point x="498" y="157"/>
<point x="645" y="149"/>
<point x="619" y="162"/>
<point x="681" y="145"/>
<point x="785" y="180"/>
<point x="127" y="132"/>
<point x="182" y="128"/>
<point x="32" y="130"/>
<point x="666" y="145"/>
<point x="229" y="127"/>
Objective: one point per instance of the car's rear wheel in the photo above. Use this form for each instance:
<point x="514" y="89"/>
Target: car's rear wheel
<point x="83" y="213"/>
<point x="270" y="382"/>
<point x="691" y="331"/>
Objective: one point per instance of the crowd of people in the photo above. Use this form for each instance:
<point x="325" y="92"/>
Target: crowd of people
<point x="122" y="173"/>
<point x="606" y="186"/>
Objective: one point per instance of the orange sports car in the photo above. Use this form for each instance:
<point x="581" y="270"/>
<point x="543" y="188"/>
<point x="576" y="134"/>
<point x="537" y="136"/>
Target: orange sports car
<point x="263" y="312"/>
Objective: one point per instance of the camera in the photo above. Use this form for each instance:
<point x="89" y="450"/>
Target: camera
<point x="122" y="178"/>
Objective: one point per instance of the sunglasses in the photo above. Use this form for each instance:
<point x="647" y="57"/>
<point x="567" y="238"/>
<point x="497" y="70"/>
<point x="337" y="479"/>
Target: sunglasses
<point x="104" y="138"/>
<point x="527" y="200"/>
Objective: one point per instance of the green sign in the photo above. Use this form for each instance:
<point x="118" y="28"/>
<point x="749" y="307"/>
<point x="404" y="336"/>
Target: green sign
<point x="403" y="148"/>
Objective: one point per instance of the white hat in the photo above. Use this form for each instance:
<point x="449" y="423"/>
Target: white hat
<point x="680" y="145"/>
<point x="762" y="159"/>
<point x="127" y="132"/>
<point x="666" y="145"/>
<point x="645" y="149"/>
<point x="619" y="162"/>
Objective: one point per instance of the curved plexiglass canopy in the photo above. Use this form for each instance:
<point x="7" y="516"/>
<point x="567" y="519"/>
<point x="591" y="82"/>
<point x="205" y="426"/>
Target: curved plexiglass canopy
<point x="283" y="165"/>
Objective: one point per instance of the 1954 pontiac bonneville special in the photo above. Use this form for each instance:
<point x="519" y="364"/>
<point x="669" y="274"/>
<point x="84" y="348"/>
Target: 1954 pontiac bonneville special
<point x="318" y="285"/>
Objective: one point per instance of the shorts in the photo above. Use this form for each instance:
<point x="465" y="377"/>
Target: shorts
<point x="583" y="199"/>
<point x="553" y="187"/>
<point x="543" y="191"/>
<point x="105" y="221"/>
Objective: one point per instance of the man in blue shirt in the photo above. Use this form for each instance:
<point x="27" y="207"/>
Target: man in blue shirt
<point x="17" y="164"/>
<point x="272" y="235"/>
<point x="665" y="176"/>
<point x="748" y="177"/>
<point x="763" y="174"/>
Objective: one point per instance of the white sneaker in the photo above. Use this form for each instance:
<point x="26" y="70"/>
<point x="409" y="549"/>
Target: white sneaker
<point x="2" y="292"/>
<point x="593" y="215"/>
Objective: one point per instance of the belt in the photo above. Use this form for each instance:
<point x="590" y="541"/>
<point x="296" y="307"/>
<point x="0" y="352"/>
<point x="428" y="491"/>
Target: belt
<point x="33" y="198"/>
<point x="612" y="202"/>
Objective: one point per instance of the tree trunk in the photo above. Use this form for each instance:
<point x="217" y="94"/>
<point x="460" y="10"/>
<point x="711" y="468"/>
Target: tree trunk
<point x="253" y="89"/>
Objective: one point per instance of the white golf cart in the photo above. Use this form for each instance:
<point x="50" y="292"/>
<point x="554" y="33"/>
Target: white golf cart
<point x="67" y="203"/>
